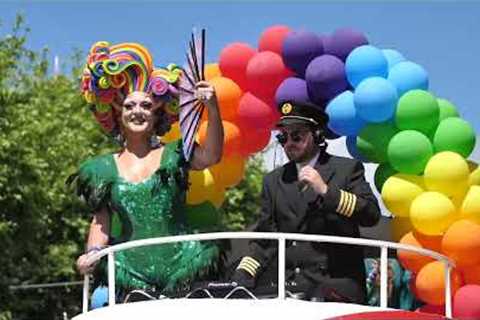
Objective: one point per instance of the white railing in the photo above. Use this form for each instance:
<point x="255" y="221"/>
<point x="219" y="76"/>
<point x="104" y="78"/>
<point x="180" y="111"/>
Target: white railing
<point x="281" y="238"/>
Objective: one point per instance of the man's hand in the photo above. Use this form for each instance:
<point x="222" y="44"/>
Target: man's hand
<point x="311" y="176"/>
<point x="205" y="92"/>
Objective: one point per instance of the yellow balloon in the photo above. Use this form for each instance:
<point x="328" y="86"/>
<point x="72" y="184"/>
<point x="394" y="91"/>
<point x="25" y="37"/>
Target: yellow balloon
<point x="173" y="134"/>
<point x="447" y="172"/>
<point x="474" y="178"/>
<point x="471" y="204"/>
<point x="229" y="171"/>
<point x="399" y="191"/>
<point x="432" y="213"/>
<point x="202" y="186"/>
<point x="212" y="70"/>
<point x="217" y="197"/>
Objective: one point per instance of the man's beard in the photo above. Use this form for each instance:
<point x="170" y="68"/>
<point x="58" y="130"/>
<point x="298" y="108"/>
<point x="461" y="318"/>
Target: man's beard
<point x="294" y="154"/>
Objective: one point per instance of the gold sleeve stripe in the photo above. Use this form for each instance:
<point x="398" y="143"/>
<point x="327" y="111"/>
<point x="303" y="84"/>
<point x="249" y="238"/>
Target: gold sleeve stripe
<point x="249" y="265"/>
<point x="248" y="269"/>
<point x="254" y="262"/>
<point x="341" y="202"/>
<point x="352" y="207"/>
<point x="348" y="203"/>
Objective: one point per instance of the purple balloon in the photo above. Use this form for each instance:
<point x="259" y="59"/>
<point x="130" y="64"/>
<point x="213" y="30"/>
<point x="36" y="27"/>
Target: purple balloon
<point x="326" y="78"/>
<point x="292" y="89"/>
<point x="343" y="41"/>
<point x="299" y="48"/>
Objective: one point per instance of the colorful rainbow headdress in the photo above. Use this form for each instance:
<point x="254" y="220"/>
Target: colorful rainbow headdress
<point x="113" y="72"/>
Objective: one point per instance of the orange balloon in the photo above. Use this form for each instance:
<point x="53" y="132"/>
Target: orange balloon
<point x="461" y="242"/>
<point x="228" y="96"/>
<point x="414" y="261"/>
<point x="229" y="171"/>
<point x="232" y="139"/>
<point x="430" y="283"/>
<point x="212" y="70"/>
<point x="173" y="134"/>
<point x="471" y="275"/>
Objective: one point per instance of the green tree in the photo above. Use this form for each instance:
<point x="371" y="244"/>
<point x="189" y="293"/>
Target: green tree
<point x="45" y="130"/>
<point x="241" y="207"/>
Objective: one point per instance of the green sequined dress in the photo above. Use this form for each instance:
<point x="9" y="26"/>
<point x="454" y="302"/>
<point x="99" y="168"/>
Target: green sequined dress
<point x="151" y="208"/>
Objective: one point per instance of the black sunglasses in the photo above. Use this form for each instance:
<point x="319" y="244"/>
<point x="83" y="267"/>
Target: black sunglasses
<point x="296" y="136"/>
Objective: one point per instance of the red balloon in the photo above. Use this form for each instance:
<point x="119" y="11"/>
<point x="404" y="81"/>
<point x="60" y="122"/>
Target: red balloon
<point x="265" y="72"/>
<point x="471" y="275"/>
<point x="466" y="303"/>
<point x="254" y="113"/>
<point x="272" y="39"/>
<point x="429" y="308"/>
<point x="233" y="62"/>
<point x="253" y="140"/>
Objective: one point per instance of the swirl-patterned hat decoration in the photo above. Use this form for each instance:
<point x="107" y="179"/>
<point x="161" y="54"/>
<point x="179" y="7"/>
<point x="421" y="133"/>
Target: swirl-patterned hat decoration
<point x="114" y="71"/>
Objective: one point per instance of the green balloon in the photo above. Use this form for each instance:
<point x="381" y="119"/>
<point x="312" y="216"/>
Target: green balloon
<point x="372" y="142"/>
<point x="417" y="110"/>
<point x="382" y="173"/>
<point x="202" y="217"/>
<point x="454" y="134"/>
<point x="447" y="109"/>
<point x="409" y="151"/>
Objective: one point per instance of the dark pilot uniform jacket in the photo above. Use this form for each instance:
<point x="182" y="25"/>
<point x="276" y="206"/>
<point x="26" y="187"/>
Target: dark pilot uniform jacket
<point x="348" y="204"/>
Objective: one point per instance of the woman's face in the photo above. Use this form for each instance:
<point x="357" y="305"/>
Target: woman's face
<point x="138" y="113"/>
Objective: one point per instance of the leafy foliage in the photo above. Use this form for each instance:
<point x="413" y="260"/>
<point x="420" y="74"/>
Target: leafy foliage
<point x="241" y="207"/>
<point x="45" y="130"/>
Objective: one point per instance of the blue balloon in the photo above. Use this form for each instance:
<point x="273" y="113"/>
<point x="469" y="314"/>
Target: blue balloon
<point x="344" y="119"/>
<point x="408" y="76"/>
<point x="375" y="99"/>
<point x="393" y="57"/>
<point x="351" y="143"/>
<point x="365" y="62"/>
<point x="99" y="297"/>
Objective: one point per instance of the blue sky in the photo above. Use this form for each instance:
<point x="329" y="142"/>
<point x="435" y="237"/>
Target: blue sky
<point x="440" y="36"/>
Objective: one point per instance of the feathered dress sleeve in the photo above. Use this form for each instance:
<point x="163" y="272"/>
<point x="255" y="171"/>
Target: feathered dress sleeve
<point x="93" y="181"/>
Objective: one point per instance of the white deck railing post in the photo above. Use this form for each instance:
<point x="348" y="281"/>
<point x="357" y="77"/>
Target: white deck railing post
<point x="448" y="291"/>
<point x="384" y="277"/>
<point x="86" y="292"/>
<point x="111" y="278"/>
<point x="281" y="268"/>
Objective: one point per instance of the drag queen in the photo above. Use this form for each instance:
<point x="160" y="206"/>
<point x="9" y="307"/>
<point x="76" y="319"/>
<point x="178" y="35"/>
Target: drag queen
<point x="145" y="182"/>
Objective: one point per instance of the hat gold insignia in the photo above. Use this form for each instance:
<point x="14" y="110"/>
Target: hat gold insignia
<point x="287" y="108"/>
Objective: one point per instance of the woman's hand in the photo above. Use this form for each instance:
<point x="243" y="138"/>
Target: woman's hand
<point x="205" y="92"/>
<point x="210" y="152"/>
<point x="84" y="266"/>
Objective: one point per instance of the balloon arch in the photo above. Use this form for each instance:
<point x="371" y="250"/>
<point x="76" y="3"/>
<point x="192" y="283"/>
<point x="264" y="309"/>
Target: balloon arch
<point x="380" y="101"/>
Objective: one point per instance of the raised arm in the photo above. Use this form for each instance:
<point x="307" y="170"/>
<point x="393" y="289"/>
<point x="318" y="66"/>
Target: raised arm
<point x="211" y="152"/>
